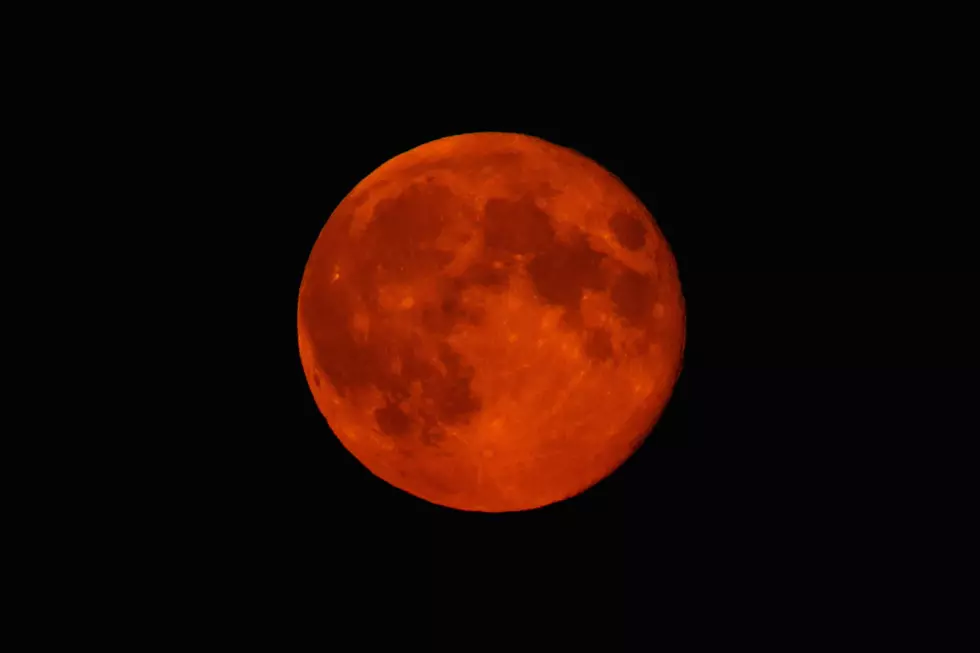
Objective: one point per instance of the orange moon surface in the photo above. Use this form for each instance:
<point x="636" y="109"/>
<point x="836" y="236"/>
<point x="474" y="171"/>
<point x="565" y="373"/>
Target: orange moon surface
<point x="491" y="322"/>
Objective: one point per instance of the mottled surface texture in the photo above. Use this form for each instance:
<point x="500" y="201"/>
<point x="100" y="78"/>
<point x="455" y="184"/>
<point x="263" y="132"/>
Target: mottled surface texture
<point x="491" y="322"/>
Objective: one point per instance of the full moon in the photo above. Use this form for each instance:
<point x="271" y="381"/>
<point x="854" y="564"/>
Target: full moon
<point x="491" y="322"/>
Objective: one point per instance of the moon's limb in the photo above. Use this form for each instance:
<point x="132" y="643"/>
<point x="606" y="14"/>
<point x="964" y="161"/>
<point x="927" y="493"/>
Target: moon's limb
<point x="491" y="322"/>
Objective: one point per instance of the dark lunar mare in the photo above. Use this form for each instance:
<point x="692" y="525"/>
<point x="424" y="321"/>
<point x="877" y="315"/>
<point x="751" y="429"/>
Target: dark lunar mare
<point x="629" y="230"/>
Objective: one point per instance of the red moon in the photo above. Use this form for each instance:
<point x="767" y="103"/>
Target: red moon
<point x="491" y="322"/>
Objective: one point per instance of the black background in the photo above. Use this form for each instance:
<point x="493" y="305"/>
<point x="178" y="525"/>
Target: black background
<point x="792" y="476"/>
<point x="809" y="479"/>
